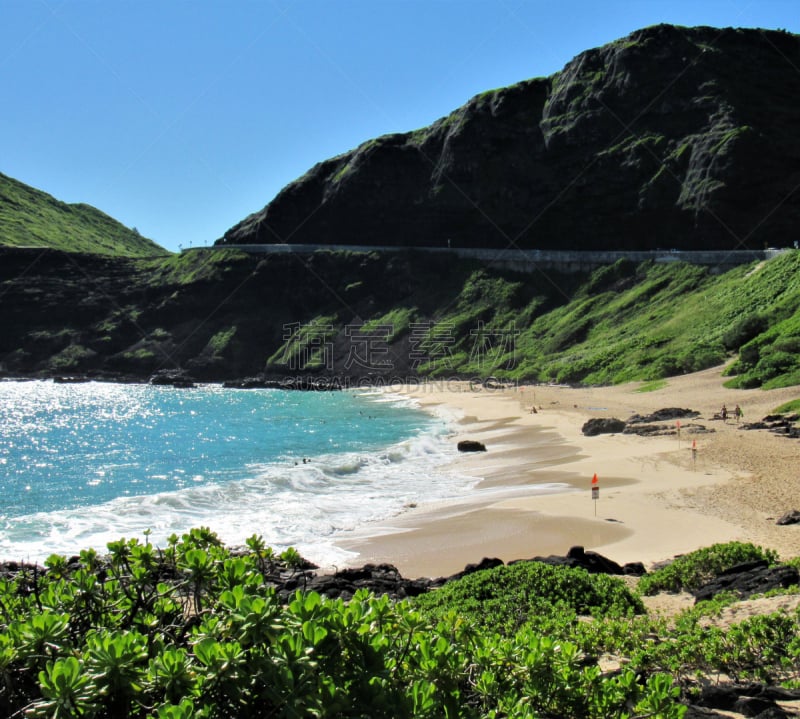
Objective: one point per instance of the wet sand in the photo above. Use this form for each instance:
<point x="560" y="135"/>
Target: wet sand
<point x="654" y="501"/>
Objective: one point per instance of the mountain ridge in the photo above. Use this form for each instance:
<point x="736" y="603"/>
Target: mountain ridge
<point x="669" y="137"/>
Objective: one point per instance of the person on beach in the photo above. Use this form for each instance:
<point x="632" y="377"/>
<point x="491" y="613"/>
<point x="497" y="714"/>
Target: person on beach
<point x="724" y="413"/>
<point x="737" y="412"/>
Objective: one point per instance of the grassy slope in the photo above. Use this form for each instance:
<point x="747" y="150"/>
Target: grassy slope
<point x="640" y="323"/>
<point x="31" y="218"/>
<point x="623" y="322"/>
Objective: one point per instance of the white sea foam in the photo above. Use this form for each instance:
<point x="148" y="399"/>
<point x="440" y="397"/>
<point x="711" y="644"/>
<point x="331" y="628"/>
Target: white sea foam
<point x="306" y="504"/>
<point x="165" y="469"/>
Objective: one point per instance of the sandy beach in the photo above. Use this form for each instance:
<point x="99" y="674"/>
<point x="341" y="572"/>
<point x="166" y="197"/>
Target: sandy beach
<point x="533" y="491"/>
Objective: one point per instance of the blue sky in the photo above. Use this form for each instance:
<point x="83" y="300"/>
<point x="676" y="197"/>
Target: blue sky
<point x="180" y="118"/>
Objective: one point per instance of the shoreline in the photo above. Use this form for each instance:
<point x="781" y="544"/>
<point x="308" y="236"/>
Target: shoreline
<point x="654" y="503"/>
<point x="531" y="490"/>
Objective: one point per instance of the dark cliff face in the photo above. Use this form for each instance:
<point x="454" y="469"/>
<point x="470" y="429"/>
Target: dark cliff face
<point x="216" y="315"/>
<point x="671" y="137"/>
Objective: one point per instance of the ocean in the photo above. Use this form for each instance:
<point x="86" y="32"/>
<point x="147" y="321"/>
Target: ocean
<point x="85" y="464"/>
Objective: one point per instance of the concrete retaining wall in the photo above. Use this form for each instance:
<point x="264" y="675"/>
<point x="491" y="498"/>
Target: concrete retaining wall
<point x="533" y="260"/>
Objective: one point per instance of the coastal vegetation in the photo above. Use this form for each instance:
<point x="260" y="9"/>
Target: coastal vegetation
<point x="125" y="307"/>
<point x="691" y="571"/>
<point x="195" y="630"/>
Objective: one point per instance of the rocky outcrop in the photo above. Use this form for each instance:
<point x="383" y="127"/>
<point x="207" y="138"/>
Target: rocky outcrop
<point x="750" y="700"/>
<point x="377" y="578"/>
<point x="592" y="562"/>
<point x="671" y="137"/>
<point x="471" y="445"/>
<point x="172" y="378"/>
<point x="208" y="316"/>
<point x="750" y="578"/>
<point x="792" y="517"/>
<point x="661" y="430"/>
<point x="783" y="425"/>
<point x="344" y="583"/>
<point x="645" y="425"/>
<point x="602" y="425"/>
<point x="386" y="579"/>
<point x="485" y="563"/>
<point x="662" y="415"/>
<point x="310" y="384"/>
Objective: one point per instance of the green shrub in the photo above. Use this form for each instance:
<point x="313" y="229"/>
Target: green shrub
<point x="220" y="341"/>
<point x="508" y="597"/>
<point x="744" y="330"/>
<point x="692" y="570"/>
<point x="773" y="364"/>
<point x="194" y="631"/>
<point x="665" y="366"/>
<point x="701" y="357"/>
<point x="749" y="354"/>
<point x="71" y="357"/>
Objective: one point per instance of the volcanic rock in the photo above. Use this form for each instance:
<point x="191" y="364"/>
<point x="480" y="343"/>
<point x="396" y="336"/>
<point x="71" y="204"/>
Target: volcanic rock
<point x="662" y="415"/>
<point x="602" y="425"/>
<point x="592" y="562"/>
<point x="172" y="378"/>
<point x="471" y="445"/>
<point x="749" y="578"/>
<point x="792" y="517"/>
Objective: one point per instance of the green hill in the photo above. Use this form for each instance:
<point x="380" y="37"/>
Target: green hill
<point x="224" y="314"/>
<point x="32" y="218"/>
<point x="620" y="323"/>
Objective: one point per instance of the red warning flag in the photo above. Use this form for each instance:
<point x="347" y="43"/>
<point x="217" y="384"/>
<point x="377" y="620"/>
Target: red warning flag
<point x="678" y="423"/>
<point x="694" y="444"/>
<point x="594" y="480"/>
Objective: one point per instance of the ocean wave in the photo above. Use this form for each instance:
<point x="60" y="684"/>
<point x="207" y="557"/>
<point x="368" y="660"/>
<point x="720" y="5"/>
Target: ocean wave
<point x="290" y="502"/>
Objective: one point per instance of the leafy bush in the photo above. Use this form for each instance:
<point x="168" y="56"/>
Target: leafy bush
<point x="508" y="597"/>
<point x="666" y="365"/>
<point x="764" y="648"/>
<point x="696" y="568"/>
<point x="701" y="357"/>
<point x="744" y="330"/>
<point x="195" y="631"/>
<point x="774" y="363"/>
<point x="70" y="357"/>
<point x="220" y="341"/>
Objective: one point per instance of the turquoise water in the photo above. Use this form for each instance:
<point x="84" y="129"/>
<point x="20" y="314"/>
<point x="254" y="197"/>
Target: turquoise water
<point x="84" y="464"/>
